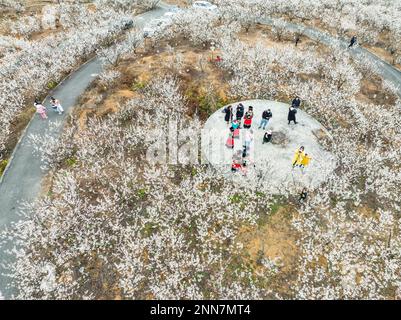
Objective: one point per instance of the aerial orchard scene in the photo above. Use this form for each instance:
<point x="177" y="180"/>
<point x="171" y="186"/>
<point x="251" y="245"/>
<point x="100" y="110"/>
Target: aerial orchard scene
<point x="200" y="150"/>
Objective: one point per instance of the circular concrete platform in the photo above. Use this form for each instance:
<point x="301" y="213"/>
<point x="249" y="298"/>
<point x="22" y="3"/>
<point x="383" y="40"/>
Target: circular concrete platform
<point x="269" y="164"/>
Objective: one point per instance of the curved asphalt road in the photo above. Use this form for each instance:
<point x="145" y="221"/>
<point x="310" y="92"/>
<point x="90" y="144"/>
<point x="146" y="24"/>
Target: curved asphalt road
<point x="21" y="182"/>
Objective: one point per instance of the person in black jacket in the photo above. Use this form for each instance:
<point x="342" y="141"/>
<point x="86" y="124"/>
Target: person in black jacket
<point x="267" y="137"/>
<point x="352" y="42"/>
<point x="304" y="195"/>
<point x="240" y="112"/>
<point x="266" y="116"/>
<point x="229" y="114"/>
<point x="296" y="103"/>
<point x="292" y="115"/>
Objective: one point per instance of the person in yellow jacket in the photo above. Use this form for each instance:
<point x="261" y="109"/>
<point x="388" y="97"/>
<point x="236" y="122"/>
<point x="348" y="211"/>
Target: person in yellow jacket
<point x="299" y="155"/>
<point x="305" y="161"/>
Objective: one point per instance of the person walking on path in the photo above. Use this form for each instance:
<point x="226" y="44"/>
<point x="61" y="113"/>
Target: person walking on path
<point x="296" y="103"/>
<point x="240" y="112"/>
<point x="229" y="114"/>
<point x="297" y="39"/>
<point x="352" y="42"/>
<point x="267" y="137"/>
<point x="56" y="105"/>
<point x="40" y="109"/>
<point x="266" y="116"/>
<point x="292" y="115"/>
<point x="298" y="157"/>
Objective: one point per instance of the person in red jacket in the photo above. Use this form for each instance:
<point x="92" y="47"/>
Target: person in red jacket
<point x="248" y="120"/>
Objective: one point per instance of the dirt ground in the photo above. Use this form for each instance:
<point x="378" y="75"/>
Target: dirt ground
<point x="180" y="3"/>
<point x="275" y="239"/>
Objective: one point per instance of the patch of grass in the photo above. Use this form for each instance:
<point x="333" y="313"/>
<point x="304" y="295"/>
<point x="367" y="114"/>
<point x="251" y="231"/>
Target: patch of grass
<point x="236" y="198"/>
<point x="142" y="193"/>
<point x="52" y="84"/>
<point x="3" y="165"/>
<point x="71" y="161"/>
<point x="239" y="200"/>
<point x="138" y="85"/>
<point x="149" y="229"/>
<point x="194" y="172"/>
<point x="275" y="207"/>
<point x="208" y="104"/>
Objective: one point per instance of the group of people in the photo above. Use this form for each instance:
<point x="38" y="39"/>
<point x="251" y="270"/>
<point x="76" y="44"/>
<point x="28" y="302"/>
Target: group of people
<point x="238" y="117"/>
<point x="239" y="114"/>
<point x="247" y="119"/>
<point x="42" y="110"/>
<point x="301" y="158"/>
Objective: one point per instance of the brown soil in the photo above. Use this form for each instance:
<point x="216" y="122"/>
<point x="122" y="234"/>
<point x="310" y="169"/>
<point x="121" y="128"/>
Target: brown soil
<point x="384" y="55"/>
<point x="372" y="92"/>
<point x="179" y="3"/>
<point x="276" y="240"/>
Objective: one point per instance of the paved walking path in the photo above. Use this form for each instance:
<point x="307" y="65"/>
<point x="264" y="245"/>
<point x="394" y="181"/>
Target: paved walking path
<point x="21" y="182"/>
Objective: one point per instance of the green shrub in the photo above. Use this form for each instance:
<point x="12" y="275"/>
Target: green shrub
<point x="3" y="165"/>
<point x="52" y="84"/>
<point x="71" y="162"/>
<point x="138" y="85"/>
<point x="236" y="198"/>
<point x="142" y="193"/>
<point x="149" y="229"/>
<point x="194" y="172"/>
<point x="275" y="207"/>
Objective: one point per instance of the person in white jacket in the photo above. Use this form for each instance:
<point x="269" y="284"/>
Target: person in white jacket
<point x="56" y="105"/>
